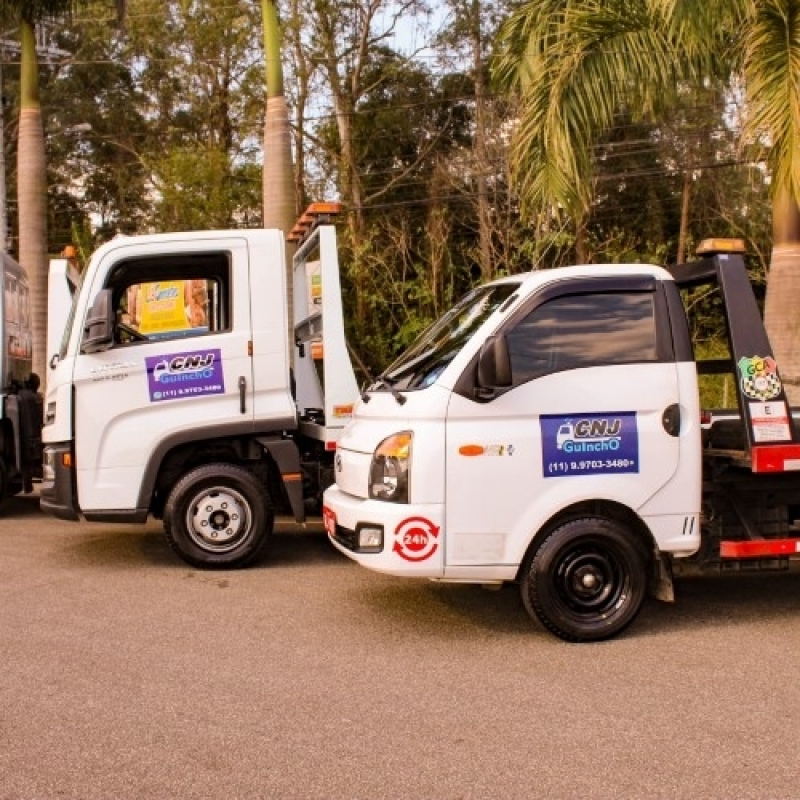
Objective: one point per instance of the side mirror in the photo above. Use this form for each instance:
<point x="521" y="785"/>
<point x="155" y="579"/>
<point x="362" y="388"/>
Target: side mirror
<point x="98" y="330"/>
<point x="494" y="364"/>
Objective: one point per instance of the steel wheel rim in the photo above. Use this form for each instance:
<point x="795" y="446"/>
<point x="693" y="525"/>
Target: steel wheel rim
<point x="218" y="519"/>
<point x="591" y="581"/>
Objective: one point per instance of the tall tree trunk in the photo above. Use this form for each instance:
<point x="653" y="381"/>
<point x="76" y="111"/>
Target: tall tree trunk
<point x="278" y="182"/>
<point x="279" y="202"/>
<point x="481" y="159"/>
<point x="32" y="195"/>
<point x="303" y="68"/>
<point x="783" y="290"/>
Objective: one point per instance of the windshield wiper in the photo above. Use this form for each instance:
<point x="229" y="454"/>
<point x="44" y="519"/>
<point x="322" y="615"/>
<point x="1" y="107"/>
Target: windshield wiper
<point x="383" y="380"/>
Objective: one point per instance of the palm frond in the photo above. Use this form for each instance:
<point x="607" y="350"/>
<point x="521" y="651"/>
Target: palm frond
<point x="577" y="70"/>
<point x="772" y="78"/>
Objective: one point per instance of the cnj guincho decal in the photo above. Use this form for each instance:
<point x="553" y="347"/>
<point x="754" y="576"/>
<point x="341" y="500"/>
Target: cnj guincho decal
<point x="177" y="375"/>
<point x="589" y="444"/>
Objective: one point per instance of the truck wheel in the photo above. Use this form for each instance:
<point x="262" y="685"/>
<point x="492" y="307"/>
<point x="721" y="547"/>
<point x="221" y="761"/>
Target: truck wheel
<point x="586" y="581"/>
<point x="218" y="516"/>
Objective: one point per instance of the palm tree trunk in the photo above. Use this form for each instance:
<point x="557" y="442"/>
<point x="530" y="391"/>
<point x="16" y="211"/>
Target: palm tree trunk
<point x="481" y="158"/>
<point x="278" y="179"/>
<point x="280" y="208"/>
<point x="781" y="313"/>
<point x="32" y="195"/>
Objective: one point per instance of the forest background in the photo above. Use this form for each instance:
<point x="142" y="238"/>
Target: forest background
<point x="158" y="126"/>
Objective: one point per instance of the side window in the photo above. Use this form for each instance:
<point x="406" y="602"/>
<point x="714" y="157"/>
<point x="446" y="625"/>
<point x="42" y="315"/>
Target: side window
<point x="583" y="330"/>
<point x="171" y="298"/>
<point x="163" y="309"/>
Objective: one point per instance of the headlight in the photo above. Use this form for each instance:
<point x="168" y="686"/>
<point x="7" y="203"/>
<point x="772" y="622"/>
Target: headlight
<point x="389" y="471"/>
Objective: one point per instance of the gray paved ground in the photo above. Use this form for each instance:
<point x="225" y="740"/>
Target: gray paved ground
<point x="127" y="674"/>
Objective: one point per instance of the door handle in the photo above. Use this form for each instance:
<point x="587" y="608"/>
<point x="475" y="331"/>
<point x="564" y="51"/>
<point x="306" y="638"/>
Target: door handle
<point x="242" y="394"/>
<point x="671" y="419"/>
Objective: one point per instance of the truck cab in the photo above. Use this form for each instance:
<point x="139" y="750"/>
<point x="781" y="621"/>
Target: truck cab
<point x="547" y="431"/>
<point x="20" y="401"/>
<point x="553" y="397"/>
<point x="179" y="391"/>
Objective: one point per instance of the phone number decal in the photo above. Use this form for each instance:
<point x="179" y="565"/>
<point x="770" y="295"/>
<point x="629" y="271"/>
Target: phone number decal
<point x="568" y="467"/>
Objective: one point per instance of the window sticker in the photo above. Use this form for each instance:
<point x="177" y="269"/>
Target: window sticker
<point x="760" y="379"/>
<point x="589" y="444"/>
<point x="770" y="422"/>
<point x="177" y="375"/>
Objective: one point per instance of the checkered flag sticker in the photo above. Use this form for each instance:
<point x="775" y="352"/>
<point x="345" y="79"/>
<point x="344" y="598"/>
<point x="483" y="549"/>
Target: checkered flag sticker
<point x="762" y="387"/>
<point x="760" y="379"/>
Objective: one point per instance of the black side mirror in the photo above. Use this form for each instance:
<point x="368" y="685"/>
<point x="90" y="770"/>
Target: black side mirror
<point x="98" y="330"/>
<point x="494" y="364"/>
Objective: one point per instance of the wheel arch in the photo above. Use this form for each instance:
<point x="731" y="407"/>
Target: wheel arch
<point x="609" y="509"/>
<point x="203" y="444"/>
<point x="176" y="462"/>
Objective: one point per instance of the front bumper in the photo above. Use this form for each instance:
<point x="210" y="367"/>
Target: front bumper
<point x="411" y="535"/>
<point x="58" y="496"/>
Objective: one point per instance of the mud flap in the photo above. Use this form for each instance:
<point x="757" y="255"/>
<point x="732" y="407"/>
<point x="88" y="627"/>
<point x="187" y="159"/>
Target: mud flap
<point x="285" y="454"/>
<point x="660" y="585"/>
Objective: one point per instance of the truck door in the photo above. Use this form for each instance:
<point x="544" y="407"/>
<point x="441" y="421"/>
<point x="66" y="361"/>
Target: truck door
<point x="593" y="374"/>
<point x="179" y="367"/>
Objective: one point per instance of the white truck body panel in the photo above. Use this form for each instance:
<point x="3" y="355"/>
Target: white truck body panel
<point x="485" y="477"/>
<point x="125" y="406"/>
<point x="324" y="377"/>
<point x="61" y="285"/>
<point x="177" y="361"/>
<point x="527" y="475"/>
<point x="120" y="420"/>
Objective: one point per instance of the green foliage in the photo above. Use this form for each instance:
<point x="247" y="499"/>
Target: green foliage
<point x="175" y="107"/>
<point x="716" y="391"/>
<point x="14" y="11"/>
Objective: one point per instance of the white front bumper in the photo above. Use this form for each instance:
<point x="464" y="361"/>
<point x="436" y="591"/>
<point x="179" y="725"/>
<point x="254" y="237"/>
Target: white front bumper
<point x="413" y="544"/>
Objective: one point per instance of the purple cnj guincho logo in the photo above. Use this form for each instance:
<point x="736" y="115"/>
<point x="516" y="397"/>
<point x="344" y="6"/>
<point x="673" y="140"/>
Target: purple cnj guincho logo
<point x="177" y="375"/>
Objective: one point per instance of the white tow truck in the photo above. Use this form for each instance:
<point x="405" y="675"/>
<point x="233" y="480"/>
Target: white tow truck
<point x="20" y="405"/>
<point x="176" y="391"/>
<point x="547" y="431"/>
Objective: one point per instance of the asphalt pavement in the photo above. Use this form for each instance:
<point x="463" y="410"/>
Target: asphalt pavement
<point x="128" y="674"/>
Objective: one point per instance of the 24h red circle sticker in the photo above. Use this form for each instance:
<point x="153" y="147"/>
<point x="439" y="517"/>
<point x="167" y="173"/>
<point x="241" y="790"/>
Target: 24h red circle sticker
<point x="415" y="539"/>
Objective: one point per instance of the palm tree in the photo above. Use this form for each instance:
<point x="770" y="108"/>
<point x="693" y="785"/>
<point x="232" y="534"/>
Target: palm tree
<point x="771" y="61"/>
<point x="31" y="175"/>
<point x="279" y="201"/>
<point x="280" y="209"/>
<point x="578" y="63"/>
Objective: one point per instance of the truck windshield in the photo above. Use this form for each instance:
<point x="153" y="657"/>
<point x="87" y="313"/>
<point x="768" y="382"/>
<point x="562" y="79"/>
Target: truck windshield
<point x="439" y="344"/>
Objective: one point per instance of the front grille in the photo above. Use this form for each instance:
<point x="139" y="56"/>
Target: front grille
<point x="346" y="537"/>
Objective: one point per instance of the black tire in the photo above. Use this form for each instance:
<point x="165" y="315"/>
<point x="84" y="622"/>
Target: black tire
<point x="586" y="581"/>
<point x="218" y="516"/>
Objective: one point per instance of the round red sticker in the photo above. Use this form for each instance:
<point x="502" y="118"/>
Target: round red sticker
<point x="416" y="539"/>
